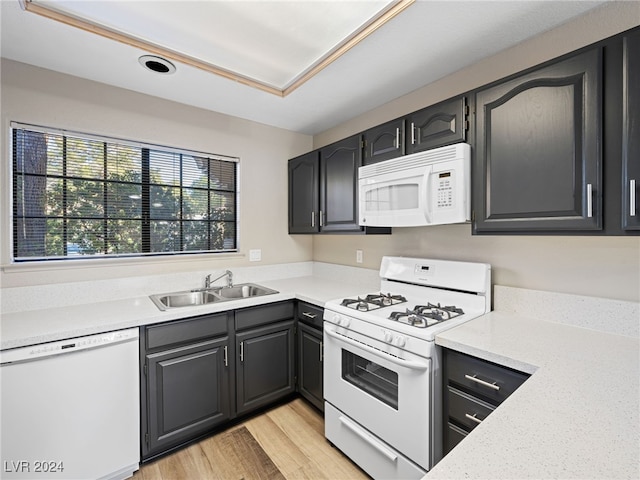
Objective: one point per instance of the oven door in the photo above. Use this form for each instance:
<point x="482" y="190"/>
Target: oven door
<point x="384" y="389"/>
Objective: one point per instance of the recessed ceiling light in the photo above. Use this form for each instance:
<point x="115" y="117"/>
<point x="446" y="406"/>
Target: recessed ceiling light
<point x="157" y="64"/>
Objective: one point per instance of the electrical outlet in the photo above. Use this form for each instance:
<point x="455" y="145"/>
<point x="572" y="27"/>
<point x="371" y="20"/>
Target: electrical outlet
<point x="255" y="255"/>
<point x="358" y="256"/>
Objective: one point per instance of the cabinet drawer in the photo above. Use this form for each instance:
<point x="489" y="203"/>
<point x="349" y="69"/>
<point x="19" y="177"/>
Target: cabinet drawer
<point x="310" y="314"/>
<point x="465" y="410"/>
<point x="263" y="314"/>
<point x="453" y="436"/>
<point x="185" y="331"/>
<point x="486" y="380"/>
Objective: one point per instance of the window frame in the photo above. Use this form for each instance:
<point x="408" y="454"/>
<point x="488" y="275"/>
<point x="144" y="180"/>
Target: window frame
<point x="146" y="150"/>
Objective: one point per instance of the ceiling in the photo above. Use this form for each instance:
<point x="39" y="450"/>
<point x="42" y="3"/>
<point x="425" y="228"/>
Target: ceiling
<point x="274" y="43"/>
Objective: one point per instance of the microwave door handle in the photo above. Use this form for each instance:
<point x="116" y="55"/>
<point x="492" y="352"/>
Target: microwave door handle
<point x="378" y="353"/>
<point x="426" y="195"/>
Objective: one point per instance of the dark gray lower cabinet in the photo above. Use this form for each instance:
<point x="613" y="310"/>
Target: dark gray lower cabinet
<point x="265" y="366"/>
<point x="310" y="366"/>
<point x="473" y="388"/>
<point x="190" y="388"/>
<point x="310" y="353"/>
<point x="201" y="372"/>
<point x="185" y="381"/>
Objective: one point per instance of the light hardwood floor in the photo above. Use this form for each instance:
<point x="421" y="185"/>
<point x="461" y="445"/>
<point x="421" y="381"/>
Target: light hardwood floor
<point x="286" y="442"/>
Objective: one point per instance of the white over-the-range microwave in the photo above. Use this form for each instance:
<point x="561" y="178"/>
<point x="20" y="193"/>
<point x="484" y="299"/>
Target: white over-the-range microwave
<point x="425" y="188"/>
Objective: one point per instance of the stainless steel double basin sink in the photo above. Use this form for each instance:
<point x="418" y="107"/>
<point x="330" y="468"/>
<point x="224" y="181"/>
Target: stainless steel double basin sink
<point x="190" y="298"/>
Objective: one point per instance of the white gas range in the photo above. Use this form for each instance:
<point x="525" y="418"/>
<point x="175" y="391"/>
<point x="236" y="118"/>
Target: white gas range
<point x="382" y="369"/>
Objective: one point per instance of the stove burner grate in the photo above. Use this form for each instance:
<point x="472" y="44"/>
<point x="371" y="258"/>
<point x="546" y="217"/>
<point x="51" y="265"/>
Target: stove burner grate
<point x="373" y="301"/>
<point x="423" y="316"/>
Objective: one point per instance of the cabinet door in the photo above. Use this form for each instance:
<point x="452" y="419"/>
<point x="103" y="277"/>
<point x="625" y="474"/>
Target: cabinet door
<point x="538" y="150"/>
<point x="265" y="367"/>
<point x="383" y="142"/>
<point x="310" y="365"/>
<point x="303" y="193"/>
<point x="438" y="125"/>
<point x="187" y="393"/>
<point x="339" y="164"/>
<point x="631" y="133"/>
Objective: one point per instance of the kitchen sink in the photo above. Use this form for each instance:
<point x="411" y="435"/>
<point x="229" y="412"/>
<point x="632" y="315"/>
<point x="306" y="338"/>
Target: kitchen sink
<point x="193" y="298"/>
<point x="246" y="290"/>
<point x="184" y="299"/>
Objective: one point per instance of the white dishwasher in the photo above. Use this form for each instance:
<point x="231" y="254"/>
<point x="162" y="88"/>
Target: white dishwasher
<point x="70" y="409"/>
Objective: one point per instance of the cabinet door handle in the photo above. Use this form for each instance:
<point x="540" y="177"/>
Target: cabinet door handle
<point x="226" y="360"/>
<point x="242" y="351"/>
<point x="589" y="200"/>
<point x="473" y="418"/>
<point x="321" y="351"/>
<point x="313" y="219"/>
<point x="413" y="133"/>
<point x="632" y="198"/>
<point x="473" y="378"/>
<point x="397" y="137"/>
<point x="321" y="219"/>
<point x="309" y="315"/>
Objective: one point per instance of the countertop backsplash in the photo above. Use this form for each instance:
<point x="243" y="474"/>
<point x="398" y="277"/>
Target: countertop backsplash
<point x="618" y="317"/>
<point x="79" y="293"/>
<point x="19" y="299"/>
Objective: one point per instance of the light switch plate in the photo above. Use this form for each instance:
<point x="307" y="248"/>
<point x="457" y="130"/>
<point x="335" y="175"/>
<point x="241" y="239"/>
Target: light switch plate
<point x="358" y="256"/>
<point x="255" y="255"/>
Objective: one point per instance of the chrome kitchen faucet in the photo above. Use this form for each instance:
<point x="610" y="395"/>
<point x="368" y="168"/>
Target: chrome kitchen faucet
<point x="208" y="281"/>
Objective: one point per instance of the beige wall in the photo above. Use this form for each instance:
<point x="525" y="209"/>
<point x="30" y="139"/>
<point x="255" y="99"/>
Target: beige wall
<point x="42" y="97"/>
<point x="600" y="266"/>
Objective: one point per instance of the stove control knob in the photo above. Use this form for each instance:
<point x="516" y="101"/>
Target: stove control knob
<point x="400" y="341"/>
<point x="388" y="336"/>
<point x="344" y="321"/>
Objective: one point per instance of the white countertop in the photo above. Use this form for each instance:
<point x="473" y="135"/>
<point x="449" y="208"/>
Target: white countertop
<point x="38" y="326"/>
<point x="577" y="416"/>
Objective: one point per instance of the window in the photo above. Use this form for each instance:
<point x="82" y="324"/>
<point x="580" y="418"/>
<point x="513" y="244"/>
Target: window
<point x="78" y="195"/>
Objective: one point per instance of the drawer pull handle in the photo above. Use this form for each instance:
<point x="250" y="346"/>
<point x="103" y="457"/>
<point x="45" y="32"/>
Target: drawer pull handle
<point x="482" y="382"/>
<point x="473" y="418"/>
<point x="309" y="315"/>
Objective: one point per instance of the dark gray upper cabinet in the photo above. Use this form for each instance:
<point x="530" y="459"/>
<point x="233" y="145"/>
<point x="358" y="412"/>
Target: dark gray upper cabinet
<point x="323" y="190"/>
<point x="538" y="151"/>
<point x="304" y="188"/>
<point x="438" y="125"/>
<point x="384" y="142"/>
<point x="339" y="164"/>
<point x="631" y="132"/>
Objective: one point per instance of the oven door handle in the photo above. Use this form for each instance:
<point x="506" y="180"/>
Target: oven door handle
<point x="367" y="437"/>
<point x="398" y="361"/>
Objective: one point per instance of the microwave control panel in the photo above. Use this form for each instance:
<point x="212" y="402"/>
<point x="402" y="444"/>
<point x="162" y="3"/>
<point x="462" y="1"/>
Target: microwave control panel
<point x="444" y="189"/>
